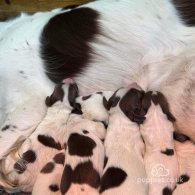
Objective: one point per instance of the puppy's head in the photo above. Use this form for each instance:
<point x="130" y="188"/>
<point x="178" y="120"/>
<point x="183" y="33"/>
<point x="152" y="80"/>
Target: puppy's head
<point x="94" y="106"/>
<point x="157" y="98"/>
<point x="128" y="100"/>
<point x="65" y="92"/>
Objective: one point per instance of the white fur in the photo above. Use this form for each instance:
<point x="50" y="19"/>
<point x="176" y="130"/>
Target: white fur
<point x="157" y="132"/>
<point x="124" y="149"/>
<point x="94" y="113"/>
<point x="53" y="125"/>
<point x="92" y="109"/>
<point x="186" y="157"/>
<point x="141" y="40"/>
<point x="97" y="132"/>
<point x="43" y="181"/>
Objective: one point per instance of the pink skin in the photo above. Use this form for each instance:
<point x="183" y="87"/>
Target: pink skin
<point x="68" y="81"/>
<point x="134" y="85"/>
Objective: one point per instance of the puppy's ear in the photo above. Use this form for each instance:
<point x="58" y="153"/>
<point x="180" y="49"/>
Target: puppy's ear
<point x="160" y="99"/>
<point x="77" y="109"/>
<point x="146" y="101"/>
<point x="112" y="102"/>
<point x="73" y="93"/>
<point x="57" y="95"/>
<point x="105" y="103"/>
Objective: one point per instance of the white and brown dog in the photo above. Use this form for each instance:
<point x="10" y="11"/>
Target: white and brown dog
<point x="185" y="150"/>
<point x="20" y="168"/>
<point x="85" y="152"/>
<point x="160" y="159"/>
<point x="85" y="149"/>
<point x="124" y="145"/>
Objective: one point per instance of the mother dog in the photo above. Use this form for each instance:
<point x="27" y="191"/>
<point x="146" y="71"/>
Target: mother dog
<point x="107" y="44"/>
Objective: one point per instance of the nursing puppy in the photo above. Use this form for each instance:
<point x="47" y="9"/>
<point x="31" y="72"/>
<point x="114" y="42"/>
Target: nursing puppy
<point x="21" y="167"/>
<point x="49" y="178"/>
<point x="186" y="158"/>
<point x="160" y="158"/>
<point x="90" y="107"/>
<point x="123" y="145"/>
<point x="84" y="141"/>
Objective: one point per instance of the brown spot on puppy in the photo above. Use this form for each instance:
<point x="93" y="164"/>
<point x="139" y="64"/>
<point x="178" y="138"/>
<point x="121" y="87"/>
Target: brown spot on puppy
<point x="54" y="187"/>
<point x="183" y="179"/>
<point x="168" y="152"/>
<point x="49" y="142"/>
<point x="29" y="156"/>
<point x="66" y="179"/>
<point x="80" y="145"/>
<point x="84" y="173"/>
<point x="113" y="177"/>
<point x="167" y="191"/>
<point x="59" y="158"/>
<point x="48" y="168"/>
<point x="85" y="131"/>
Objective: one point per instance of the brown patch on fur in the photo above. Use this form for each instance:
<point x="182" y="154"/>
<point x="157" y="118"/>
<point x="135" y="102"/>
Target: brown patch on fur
<point x="59" y="158"/>
<point x="84" y="173"/>
<point x="131" y="105"/>
<point x="158" y="99"/>
<point x="57" y="95"/>
<point x="80" y="145"/>
<point x="49" y="142"/>
<point x="48" y="168"/>
<point x="186" y="10"/>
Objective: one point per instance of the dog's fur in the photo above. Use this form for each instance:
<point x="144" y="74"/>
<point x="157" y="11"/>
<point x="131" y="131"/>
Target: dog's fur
<point x="88" y="118"/>
<point x="85" y="150"/>
<point x="186" y="158"/>
<point x="20" y="168"/>
<point x="49" y="182"/>
<point x="124" y="146"/>
<point x="160" y="158"/>
<point x="103" y="44"/>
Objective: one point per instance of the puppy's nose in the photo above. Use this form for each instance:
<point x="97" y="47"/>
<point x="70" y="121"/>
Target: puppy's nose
<point x="134" y="85"/>
<point x="68" y="81"/>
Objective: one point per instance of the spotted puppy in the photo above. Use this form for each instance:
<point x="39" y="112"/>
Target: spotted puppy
<point x="157" y="131"/>
<point x="124" y="145"/>
<point x="49" y="178"/>
<point x="85" y="150"/>
<point x="185" y="150"/>
<point x="90" y="107"/>
<point x="21" y="167"/>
